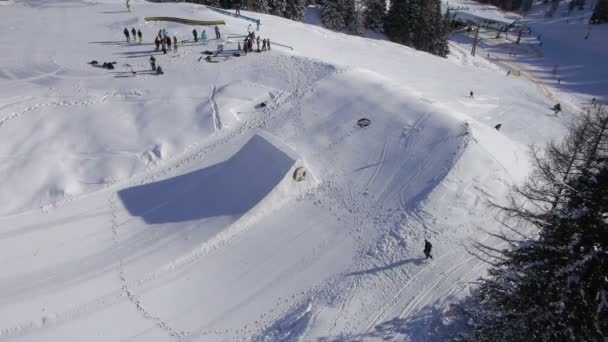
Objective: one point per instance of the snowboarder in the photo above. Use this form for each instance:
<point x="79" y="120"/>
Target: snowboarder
<point x="140" y="36"/>
<point x="133" y="33"/>
<point x="175" y="43"/>
<point x="498" y="127"/>
<point x="126" y="32"/>
<point x="157" y="43"/>
<point x="204" y="37"/>
<point x="471" y="94"/>
<point x="427" y="249"/>
<point x="153" y="63"/>
<point x="217" y="33"/>
<point x="557" y="108"/>
<point x="195" y="34"/>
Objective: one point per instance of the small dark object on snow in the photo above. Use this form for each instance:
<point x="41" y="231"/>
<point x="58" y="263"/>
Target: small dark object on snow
<point x="93" y="62"/>
<point x="236" y="54"/>
<point x="427" y="249"/>
<point x="557" y="108"/>
<point x="363" y="122"/>
<point x="299" y="174"/>
<point x="498" y="127"/>
<point x="159" y="70"/>
<point x="107" y="65"/>
<point x="261" y="105"/>
<point x="471" y="94"/>
<point x="209" y="53"/>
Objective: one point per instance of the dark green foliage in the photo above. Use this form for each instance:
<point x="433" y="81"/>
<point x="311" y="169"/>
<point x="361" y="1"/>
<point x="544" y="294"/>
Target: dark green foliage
<point x="600" y="12"/>
<point x="419" y="24"/>
<point x="553" y="286"/>
<point x="375" y="13"/>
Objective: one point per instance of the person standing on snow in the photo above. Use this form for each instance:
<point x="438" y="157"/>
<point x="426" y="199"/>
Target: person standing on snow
<point x="268" y="43"/>
<point x="264" y="45"/>
<point x="238" y="47"/>
<point x="258" y="43"/>
<point x="133" y="33"/>
<point x="126" y="32"/>
<point x="204" y="37"/>
<point x="157" y="43"/>
<point x="175" y="43"/>
<point x="217" y="33"/>
<point x="195" y="34"/>
<point x="141" y="40"/>
<point x="427" y="249"/>
<point x="168" y="43"/>
<point x="153" y="63"/>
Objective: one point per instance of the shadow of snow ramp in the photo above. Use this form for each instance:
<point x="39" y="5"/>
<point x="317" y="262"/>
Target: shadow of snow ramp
<point x="229" y="188"/>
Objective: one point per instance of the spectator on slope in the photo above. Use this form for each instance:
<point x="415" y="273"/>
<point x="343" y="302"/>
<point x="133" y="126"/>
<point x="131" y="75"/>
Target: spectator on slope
<point x="133" y="33"/>
<point x="204" y="37"/>
<point x="126" y="32"/>
<point x="245" y="47"/>
<point x="471" y="94"/>
<point x="250" y="45"/>
<point x="258" y="43"/>
<point x="217" y="33"/>
<point x="238" y="48"/>
<point x="195" y="34"/>
<point x="153" y="63"/>
<point x="268" y="43"/>
<point x="238" y="8"/>
<point x="264" y="45"/>
<point x="168" y="43"/>
<point x="160" y="34"/>
<point x="140" y="36"/>
<point x="157" y="43"/>
<point x="427" y="249"/>
<point x="175" y="43"/>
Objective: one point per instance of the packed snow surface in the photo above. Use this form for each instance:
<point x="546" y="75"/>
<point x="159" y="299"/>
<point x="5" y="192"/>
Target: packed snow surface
<point x="144" y="207"/>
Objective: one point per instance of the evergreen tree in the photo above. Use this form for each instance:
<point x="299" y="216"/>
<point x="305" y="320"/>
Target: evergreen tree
<point x="552" y="287"/>
<point x="277" y="7"/>
<point x="375" y="13"/>
<point x="600" y="12"/>
<point x="334" y="14"/>
<point x="260" y="6"/>
<point x="295" y="10"/>
<point x="419" y="24"/>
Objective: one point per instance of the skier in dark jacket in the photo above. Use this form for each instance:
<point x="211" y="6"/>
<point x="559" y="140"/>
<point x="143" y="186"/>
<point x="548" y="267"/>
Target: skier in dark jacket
<point x="157" y="43"/>
<point x="268" y="43"/>
<point x="427" y="249"/>
<point x="217" y="33"/>
<point x="168" y="43"/>
<point x="153" y="63"/>
<point x="557" y="108"/>
<point x="133" y="33"/>
<point x="126" y="32"/>
<point x="140" y="36"/>
<point x="195" y="34"/>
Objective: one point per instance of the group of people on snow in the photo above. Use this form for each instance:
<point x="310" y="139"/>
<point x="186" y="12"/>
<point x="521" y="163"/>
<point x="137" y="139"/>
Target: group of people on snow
<point x="136" y="35"/>
<point x="163" y="42"/>
<point x="204" y="36"/>
<point x="250" y="40"/>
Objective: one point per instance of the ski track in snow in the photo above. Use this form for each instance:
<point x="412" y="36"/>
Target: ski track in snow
<point x="215" y="112"/>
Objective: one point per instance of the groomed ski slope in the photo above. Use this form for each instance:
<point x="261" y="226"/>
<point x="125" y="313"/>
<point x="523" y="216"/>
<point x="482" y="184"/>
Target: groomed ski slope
<point x="139" y="207"/>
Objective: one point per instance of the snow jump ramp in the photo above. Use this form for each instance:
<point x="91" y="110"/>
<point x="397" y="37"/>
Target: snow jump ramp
<point x="253" y="181"/>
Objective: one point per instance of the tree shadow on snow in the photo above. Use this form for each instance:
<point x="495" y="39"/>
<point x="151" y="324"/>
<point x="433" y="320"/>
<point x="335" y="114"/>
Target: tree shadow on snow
<point x="227" y="189"/>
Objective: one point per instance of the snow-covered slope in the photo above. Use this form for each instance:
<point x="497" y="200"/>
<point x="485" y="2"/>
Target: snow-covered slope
<point x="163" y="207"/>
